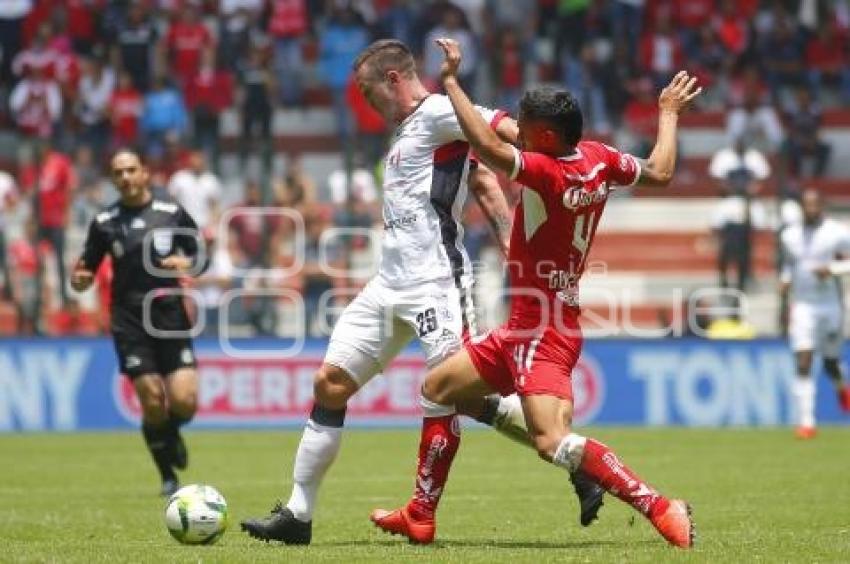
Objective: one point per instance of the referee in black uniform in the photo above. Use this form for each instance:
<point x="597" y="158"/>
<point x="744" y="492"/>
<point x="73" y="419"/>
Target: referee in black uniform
<point x="152" y="243"/>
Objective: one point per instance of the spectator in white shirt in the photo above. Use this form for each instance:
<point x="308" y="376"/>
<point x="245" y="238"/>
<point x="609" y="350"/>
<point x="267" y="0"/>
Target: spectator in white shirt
<point x="452" y="27"/>
<point x="198" y="190"/>
<point x="36" y="104"/>
<point x="740" y="169"/>
<point x="756" y="121"/>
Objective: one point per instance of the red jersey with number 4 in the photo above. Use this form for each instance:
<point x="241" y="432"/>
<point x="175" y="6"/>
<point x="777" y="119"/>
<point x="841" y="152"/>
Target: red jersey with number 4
<point x="560" y="206"/>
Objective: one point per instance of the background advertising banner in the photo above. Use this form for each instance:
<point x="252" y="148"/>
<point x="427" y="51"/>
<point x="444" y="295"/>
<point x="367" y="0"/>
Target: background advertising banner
<point x="74" y="384"/>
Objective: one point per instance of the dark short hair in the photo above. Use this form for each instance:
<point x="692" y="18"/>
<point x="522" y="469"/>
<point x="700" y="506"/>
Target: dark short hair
<point x="385" y="55"/>
<point x="557" y="108"/>
<point x="129" y="151"/>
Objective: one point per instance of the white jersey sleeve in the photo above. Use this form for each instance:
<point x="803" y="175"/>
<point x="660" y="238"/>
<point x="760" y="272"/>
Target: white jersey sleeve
<point x="446" y="127"/>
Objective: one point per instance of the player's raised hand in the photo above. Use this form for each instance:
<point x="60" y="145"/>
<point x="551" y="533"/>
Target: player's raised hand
<point x="678" y="94"/>
<point x="451" y="63"/>
<point x="81" y="278"/>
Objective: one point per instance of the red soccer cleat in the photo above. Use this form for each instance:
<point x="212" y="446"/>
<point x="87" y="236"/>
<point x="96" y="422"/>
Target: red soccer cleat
<point x="676" y="524"/>
<point x="844" y="398"/>
<point x="805" y="433"/>
<point x="399" y="522"/>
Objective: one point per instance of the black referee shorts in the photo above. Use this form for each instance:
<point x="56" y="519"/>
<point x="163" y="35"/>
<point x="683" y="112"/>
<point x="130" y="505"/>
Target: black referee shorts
<point x="140" y="352"/>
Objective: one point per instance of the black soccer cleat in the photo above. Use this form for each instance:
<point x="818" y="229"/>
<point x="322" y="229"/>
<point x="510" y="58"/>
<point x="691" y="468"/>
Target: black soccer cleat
<point x="281" y="525"/>
<point x="590" y="497"/>
<point x="179" y="452"/>
<point x="169" y="487"/>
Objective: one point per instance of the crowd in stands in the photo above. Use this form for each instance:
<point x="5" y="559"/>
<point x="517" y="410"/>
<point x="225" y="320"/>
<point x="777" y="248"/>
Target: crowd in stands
<point x="79" y="78"/>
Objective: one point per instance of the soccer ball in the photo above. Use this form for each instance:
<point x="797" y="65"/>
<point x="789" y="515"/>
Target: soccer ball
<point x="196" y="514"/>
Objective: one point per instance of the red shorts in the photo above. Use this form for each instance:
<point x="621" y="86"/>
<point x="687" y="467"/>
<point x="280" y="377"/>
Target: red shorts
<point x="527" y="364"/>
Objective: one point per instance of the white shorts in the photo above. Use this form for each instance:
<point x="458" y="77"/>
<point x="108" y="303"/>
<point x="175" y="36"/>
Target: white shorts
<point x="817" y="327"/>
<point x="381" y="321"/>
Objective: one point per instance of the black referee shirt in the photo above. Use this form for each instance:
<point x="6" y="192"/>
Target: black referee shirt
<point x="163" y="227"/>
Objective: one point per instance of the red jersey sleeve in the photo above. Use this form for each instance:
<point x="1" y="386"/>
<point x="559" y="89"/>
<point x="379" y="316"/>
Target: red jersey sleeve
<point x="623" y="168"/>
<point x="537" y="171"/>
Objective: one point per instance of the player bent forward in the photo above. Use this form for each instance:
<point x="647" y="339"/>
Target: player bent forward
<point x="422" y="289"/>
<point x="566" y="184"/>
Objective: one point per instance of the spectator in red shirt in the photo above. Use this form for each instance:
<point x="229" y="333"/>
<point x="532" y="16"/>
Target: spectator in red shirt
<point x="125" y="110"/>
<point x="207" y="95"/>
<point x="288" y="25"/>
<point x="509" y="70"/>
<point x="827" y="58"/>
<point x="53" y="180"/>
<point x="641" y="117"/>
<point x="251" y="230"/>
<point x="732" y="28"/>
<point x="186" y="41"/>
<point x="38" y="56"/>
<point x="660" y="50"/>
<point x="691" y="17"/>
<point x="371" y="127"/>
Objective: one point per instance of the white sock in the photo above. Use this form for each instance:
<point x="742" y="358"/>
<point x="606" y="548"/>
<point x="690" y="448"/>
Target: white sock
<point x="570" y="452"/>
<point x="803" y="390"/>
<point x="316" y="452"/>
<point x="510" y="420"/>
<point x="431" y="409"/>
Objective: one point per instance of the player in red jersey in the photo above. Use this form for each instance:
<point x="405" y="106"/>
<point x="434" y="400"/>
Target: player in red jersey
<point x="566" y="185"/>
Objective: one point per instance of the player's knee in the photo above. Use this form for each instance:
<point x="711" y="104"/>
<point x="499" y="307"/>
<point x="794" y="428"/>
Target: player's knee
<point x="153" y="404"/>
<point x="546" y="444"/>
<point x="437" y="391"/>
<point x="332" y="387"/>
<point x="185" y="403"/>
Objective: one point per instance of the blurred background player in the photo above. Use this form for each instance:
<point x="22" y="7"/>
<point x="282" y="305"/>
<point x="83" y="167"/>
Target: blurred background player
<point x="815" y="316"/>
<point x="567" y="183"/>
<point x="138" y="232"/>
<point x="422" y="289"/>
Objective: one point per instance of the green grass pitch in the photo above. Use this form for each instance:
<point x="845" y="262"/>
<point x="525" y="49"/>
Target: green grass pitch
<point x="758" y="495"/>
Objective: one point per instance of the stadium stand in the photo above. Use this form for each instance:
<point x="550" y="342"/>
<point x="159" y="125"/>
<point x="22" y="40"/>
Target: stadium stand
<point x="91" y="75"/>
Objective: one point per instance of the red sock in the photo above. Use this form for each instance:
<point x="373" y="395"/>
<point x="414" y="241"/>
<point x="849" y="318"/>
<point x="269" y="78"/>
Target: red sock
<point x="602" y="465"/>
<point x="437" y="448"/>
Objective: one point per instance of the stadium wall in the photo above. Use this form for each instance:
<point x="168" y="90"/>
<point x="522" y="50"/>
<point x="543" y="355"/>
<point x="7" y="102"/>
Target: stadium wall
<point x="74" y="384"/>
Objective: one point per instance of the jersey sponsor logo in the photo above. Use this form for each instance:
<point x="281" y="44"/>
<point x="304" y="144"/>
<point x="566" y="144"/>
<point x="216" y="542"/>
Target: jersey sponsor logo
<point x="162" y="241"/>
<point x="137" y="223"/>
<point x="578" y="197"/>
<point x="400" y="222"/>
<point x="132" y="361"/>
<point x="164" y="207"/>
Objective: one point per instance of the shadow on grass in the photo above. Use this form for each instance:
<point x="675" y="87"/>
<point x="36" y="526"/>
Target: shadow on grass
<point x="490" y="543"/>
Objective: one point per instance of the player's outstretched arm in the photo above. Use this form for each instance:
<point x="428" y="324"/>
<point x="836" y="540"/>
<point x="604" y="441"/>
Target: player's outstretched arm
<point x="488" y="193"/>
<point x="658" y="169"/>
<point x="487" y="144"/>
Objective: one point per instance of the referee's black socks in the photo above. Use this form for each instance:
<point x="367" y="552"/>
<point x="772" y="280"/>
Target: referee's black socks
<point x="157" y="440"/>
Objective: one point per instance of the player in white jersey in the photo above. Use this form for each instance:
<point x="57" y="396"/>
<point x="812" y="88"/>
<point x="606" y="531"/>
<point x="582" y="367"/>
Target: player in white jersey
<point x="422" y="289"/>
<point x="814" y="255"/>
